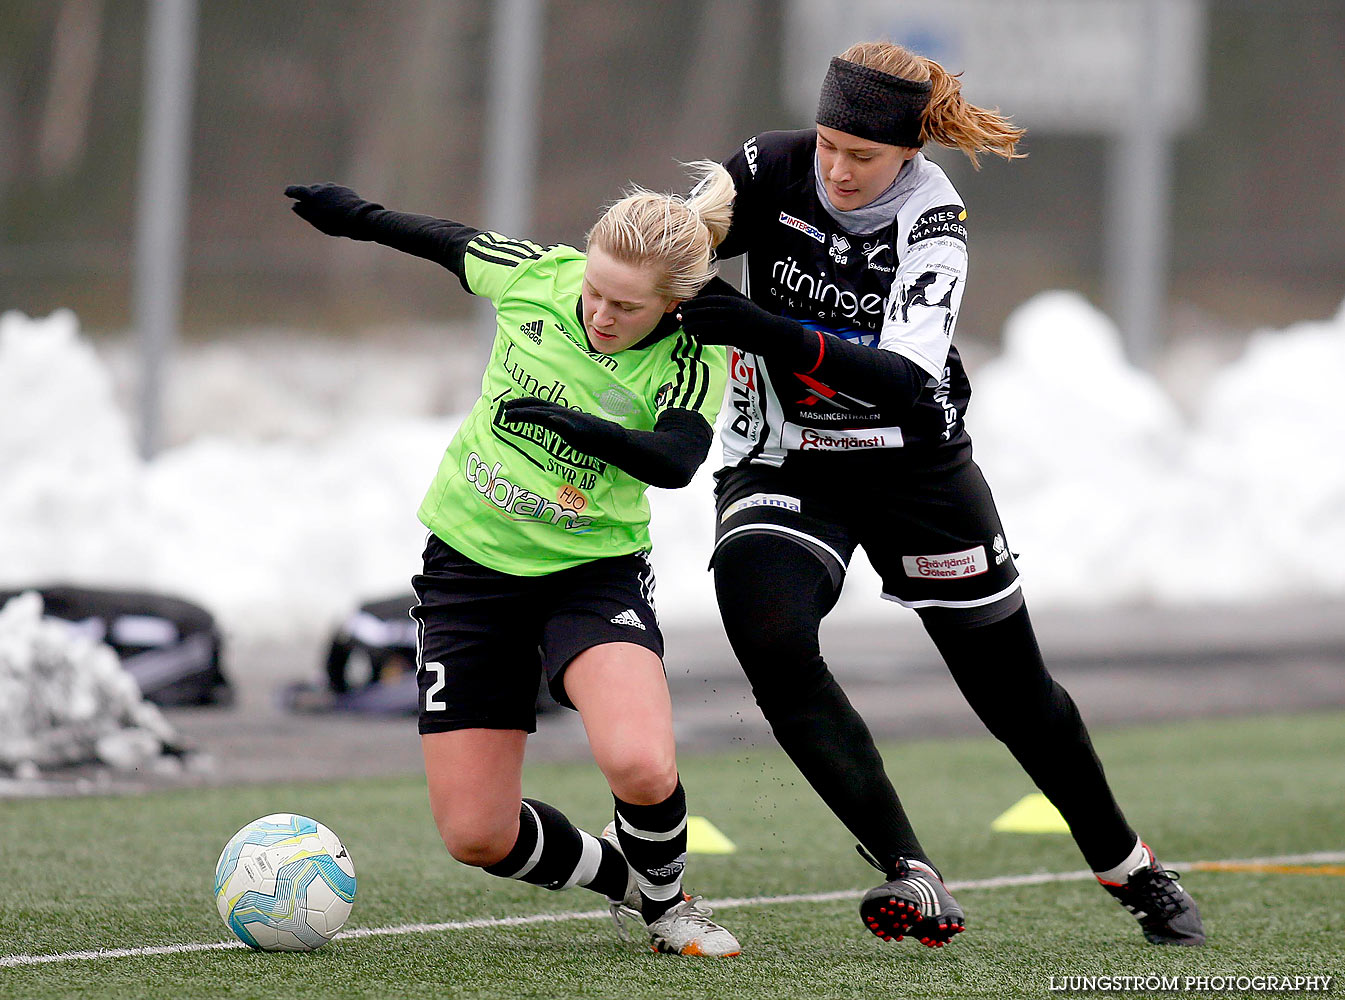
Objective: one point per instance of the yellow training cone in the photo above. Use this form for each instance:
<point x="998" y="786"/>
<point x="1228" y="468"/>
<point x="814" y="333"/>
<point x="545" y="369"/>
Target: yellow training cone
<point x="703" y="837"/>
<point x="1031" y="814"/>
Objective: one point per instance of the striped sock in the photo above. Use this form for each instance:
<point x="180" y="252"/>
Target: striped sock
<point x="654" y="840"/>
<point x="553" y="853"/>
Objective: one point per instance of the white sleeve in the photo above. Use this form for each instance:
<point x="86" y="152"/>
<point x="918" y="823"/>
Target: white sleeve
<point x="926" y="293"/>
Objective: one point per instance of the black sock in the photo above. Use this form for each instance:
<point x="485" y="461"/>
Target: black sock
<point x="832" y="747"/>
<point x="1000" y="671"/>
<point x="553" y="853"/>
<point x="613" y="874"/>
<point x="654" y="839"/>
<point x="772" y="596"/>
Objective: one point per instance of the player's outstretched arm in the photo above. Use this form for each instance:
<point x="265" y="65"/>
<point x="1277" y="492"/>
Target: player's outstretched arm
<point x="339" y="211"/>
<point x="878" y="375"/>
<point x="667" y="457"/>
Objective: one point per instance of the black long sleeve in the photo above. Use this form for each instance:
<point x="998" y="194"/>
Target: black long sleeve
<point x="723" y="315"/>
<point x="340" y="211"/>
<point x="439" y="240"/>
<point x="870" y="373"/>
<point x="667" y="456"/>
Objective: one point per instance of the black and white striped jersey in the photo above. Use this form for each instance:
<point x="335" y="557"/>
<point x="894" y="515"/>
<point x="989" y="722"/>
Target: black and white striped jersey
<point x="893" y="288"/>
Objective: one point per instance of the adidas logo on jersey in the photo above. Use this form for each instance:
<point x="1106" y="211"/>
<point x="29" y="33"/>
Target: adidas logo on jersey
<point x="533" y="330"/>
<point x="629" y="617"/>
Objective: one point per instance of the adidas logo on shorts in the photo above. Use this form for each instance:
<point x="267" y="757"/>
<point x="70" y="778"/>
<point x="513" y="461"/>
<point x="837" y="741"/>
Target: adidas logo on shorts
<point x="629" y="617"/>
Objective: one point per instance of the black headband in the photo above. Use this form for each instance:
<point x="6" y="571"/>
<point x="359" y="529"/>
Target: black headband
<point x="872" y="104"/>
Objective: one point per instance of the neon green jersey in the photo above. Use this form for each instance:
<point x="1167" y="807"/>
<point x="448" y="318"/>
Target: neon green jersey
<point x="517" y="498"/>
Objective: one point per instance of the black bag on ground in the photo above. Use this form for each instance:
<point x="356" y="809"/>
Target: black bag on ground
<point x="371" y="662"/>
<point x="371" y="665"/>
<point x="171" y="647"/>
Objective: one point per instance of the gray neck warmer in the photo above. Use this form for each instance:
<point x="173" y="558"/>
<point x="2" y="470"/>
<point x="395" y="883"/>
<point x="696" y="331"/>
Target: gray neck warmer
<point x="882" y="210"/>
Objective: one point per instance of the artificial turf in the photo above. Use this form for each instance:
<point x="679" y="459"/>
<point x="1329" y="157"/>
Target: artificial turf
<point x="132" y="871"/>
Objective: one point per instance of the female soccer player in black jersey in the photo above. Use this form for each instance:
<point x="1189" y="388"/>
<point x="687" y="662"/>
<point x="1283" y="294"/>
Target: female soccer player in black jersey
<point x="845" y="428"/>
<point x="537" y="557"/>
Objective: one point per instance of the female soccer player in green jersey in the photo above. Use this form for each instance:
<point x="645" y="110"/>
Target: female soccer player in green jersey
<point x="537" y="556"/>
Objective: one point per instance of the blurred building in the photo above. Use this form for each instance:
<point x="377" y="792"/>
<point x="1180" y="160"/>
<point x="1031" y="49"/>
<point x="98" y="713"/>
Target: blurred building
<point x="389" y="96"/>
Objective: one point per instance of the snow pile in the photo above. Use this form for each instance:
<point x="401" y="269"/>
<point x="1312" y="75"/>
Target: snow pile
<point x="282" y="537"/>
<point x="277" y="537"/>
<point x="1112" y="496"/>
<point x="1084" y="452"/>
<point x="70" y="482"/>
<point x="1272" y="433"/>
<point x="64" y="698"/>
<point x="1110" y="491"/>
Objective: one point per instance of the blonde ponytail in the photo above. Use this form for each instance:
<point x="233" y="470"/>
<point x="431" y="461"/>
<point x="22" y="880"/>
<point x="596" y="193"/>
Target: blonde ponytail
<point x="674" y="235"/>
<point x="712" y="198"/>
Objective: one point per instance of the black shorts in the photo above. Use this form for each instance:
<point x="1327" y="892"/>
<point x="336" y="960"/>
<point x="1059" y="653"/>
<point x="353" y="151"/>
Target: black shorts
<point x="934" y="535"/>
<point x="484" y="637"/>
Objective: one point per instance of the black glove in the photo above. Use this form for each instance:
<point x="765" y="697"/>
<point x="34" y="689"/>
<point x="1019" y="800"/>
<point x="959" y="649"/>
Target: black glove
<point x="667" y="456"/>
<point x="331" y="209"/>
<point x="733" y="319"/>
<point x="577" y="429"/>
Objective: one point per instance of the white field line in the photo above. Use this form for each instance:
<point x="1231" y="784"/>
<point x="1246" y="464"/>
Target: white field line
<point x="997" y="882"/>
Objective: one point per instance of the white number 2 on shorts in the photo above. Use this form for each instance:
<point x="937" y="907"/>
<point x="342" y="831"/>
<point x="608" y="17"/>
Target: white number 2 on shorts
<point x="433" y="704"/>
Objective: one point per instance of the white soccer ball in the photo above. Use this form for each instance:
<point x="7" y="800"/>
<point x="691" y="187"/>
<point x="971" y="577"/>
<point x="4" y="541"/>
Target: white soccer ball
<point x="285" y="883"/>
